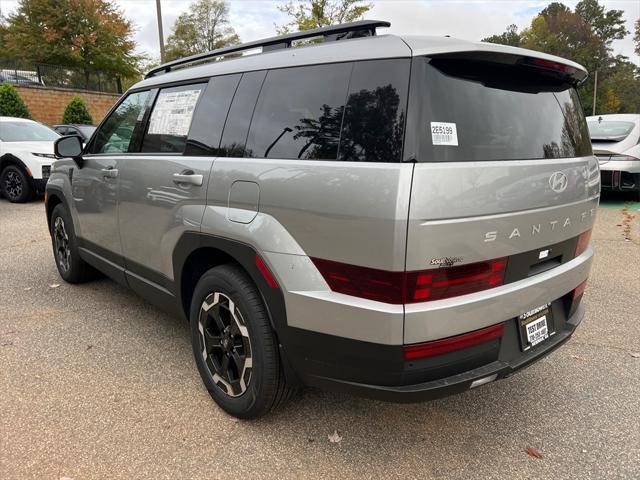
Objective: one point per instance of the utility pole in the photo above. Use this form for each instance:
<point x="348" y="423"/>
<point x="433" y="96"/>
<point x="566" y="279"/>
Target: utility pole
<point x="595" y="89"/>
<point x="160" y="34"/>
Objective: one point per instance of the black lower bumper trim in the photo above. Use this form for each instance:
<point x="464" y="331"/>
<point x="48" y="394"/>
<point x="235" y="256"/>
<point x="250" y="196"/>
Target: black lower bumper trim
<point x="456" y="383"/>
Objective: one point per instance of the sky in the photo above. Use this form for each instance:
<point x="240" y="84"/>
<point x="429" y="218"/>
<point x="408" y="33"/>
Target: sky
<point x="466" y="19"/>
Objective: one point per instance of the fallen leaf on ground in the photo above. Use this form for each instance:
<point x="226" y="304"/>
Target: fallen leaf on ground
<point x="54" y="285"/>
<point x="334" y="437"/>
<point x="635" y="354"/>
<point x="533" y="452"/>
<point x="576" y="357"/>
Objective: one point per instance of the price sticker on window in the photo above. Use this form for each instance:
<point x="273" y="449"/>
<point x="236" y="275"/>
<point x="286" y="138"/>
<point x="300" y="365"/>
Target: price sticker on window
<point x="443" y="133"/>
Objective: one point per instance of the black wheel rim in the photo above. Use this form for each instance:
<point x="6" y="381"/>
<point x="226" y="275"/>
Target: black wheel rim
<point x="13" y="185"/>
<point x="61" y="244"/>
<point x="225" y="344"/>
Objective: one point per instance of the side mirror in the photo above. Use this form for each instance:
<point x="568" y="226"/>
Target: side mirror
<point x="69" y="147"/>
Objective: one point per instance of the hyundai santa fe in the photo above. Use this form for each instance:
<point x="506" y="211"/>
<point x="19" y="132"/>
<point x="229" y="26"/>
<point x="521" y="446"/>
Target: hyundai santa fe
<point x="397" y="217"/>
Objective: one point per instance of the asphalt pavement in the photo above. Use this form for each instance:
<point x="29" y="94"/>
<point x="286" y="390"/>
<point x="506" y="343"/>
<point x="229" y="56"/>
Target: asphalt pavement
<point x="96" y="383"/>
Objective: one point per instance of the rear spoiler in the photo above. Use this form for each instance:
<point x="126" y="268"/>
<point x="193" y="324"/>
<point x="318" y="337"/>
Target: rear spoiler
<point x="565" y="72"/>
<point x="559" y="67"/>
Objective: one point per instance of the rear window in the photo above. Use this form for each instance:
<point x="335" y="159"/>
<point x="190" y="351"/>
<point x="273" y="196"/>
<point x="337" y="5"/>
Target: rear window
<point x="607" y="130"/>
<point x="464" y="110"/>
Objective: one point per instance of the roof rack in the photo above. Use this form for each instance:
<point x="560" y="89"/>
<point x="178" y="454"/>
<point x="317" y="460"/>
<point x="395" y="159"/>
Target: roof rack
<point x="362" y="28"/>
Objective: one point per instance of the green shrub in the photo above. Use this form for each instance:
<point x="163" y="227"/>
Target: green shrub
<point x="76" y="112"/>
<point x="11" y="104"/>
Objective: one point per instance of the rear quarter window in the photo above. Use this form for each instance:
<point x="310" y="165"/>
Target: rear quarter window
<point x="374" y="118"/>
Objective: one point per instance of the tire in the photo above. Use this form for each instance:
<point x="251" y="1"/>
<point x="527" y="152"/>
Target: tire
<point x="228" y="319"/>
<point x="15" y="184"/>
<point x="71" y="267"/>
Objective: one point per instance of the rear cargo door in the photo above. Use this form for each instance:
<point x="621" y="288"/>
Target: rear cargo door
<point x="503" y="162"/>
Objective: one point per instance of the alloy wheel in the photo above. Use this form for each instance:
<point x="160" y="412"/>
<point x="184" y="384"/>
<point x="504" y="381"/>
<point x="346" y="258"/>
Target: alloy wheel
<point x="13" y="185"/>
<point x="225" y="344"/>
<point x="61" y="243"/>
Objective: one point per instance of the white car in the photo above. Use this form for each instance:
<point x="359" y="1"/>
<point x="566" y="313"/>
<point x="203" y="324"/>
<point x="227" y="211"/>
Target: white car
<point x="26" y="154"/>
<point x="616" y="143"/>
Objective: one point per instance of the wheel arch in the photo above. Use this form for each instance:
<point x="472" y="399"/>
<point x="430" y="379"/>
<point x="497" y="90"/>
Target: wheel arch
<point x="10" y="159"/>
<point x="53" y="198"/>
<point x="195" y="253"/>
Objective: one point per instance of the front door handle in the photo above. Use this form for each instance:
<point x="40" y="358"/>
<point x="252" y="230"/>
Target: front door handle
<point x="109" y="172"/>
<point x="190" y="178"/>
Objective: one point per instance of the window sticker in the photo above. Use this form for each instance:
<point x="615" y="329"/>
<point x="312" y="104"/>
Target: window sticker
<point x="443" y="133"/>
<point x="172" y="113"/>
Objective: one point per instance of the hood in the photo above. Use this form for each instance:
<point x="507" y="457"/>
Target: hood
<point x="34" y="147"/>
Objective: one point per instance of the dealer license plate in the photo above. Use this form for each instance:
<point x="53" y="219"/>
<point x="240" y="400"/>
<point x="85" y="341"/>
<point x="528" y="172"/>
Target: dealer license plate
<point x="535" y="326"/>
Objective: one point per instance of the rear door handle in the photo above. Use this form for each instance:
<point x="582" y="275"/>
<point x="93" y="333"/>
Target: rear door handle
<point x="109" y="172"/>
<point x="190" y="178"/>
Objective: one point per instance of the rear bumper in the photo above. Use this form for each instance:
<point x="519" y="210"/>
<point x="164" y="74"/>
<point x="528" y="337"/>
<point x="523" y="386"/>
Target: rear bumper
<point x="620" y="176"/>
<point x="508" y="360"/>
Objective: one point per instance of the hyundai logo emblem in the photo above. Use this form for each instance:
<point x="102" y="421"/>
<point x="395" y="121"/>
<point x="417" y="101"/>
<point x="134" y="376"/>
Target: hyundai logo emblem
<point x="558" y="182"/>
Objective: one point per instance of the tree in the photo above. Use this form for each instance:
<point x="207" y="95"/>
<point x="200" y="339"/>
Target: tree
<point x="584" y="35"/>
<point x="606" y="25"/>
<point x="203" y="28"/>
<point x="89" y="34"/>
<point x="636" y="37"/>
<point x="310" y="14"/>
<point x="510" y="37"/>
<point x="11" y="104"/>
<point x="76" y="112"/>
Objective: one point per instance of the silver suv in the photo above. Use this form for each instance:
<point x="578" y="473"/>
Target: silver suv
<point x="398" y="217"/>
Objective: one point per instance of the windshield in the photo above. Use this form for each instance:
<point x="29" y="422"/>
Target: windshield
<point x="471" y="110"/>
<point x="26" y="132"/>
<point x="614" y="130"/>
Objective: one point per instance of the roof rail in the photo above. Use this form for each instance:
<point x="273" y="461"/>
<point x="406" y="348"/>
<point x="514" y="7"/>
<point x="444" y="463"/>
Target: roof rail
<point x="362" y="28"/>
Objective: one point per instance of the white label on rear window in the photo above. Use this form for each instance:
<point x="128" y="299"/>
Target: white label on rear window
<point x="443" y="133"/>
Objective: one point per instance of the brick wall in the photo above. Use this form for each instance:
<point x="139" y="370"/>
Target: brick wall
<point x="47" y="104"/>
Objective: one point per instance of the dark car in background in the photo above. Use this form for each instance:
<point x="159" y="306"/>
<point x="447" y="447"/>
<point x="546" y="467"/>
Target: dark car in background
<point x="82" y="131"/>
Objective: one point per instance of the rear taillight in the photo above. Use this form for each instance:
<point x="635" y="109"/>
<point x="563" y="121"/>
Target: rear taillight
<point x="623" y="158"/>
<point x="449" y="282"/>
<point x="411" y="287"/>
<point x="364" y="282"/>
<point x="452" y="344"/>
<point x="579" y="290"/>
<point x="583" y="242"/>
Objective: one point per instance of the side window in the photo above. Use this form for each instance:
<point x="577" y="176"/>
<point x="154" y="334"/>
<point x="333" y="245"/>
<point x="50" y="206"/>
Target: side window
<point x="299" y="113"/>
<point x="61" y="130"/>
<point x="210" y="116"/>
<point x="170" y="119"/>
<point x="116" y="132"/>
<point x="236" y="128"/>
<point x="374" y="118"/>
